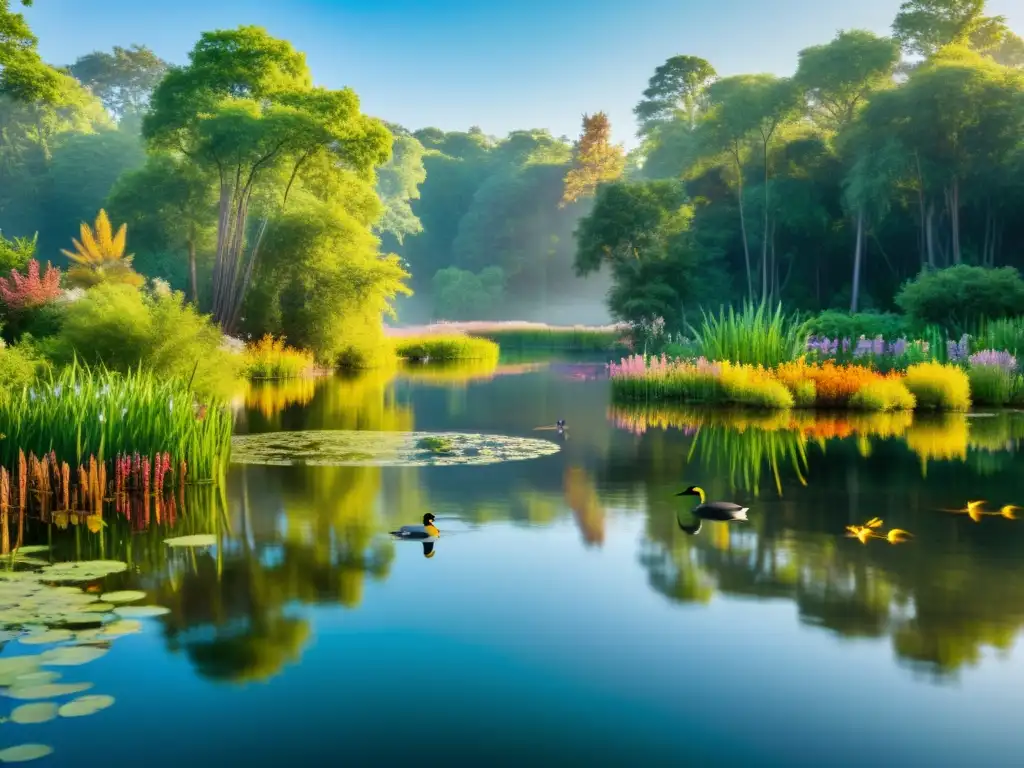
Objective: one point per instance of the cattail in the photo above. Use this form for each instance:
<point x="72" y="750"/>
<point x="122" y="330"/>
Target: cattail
<point x="65" y="476"/>
<point x="182" y="471"/>
<point x="22" y="479"/>
<point x="5" y="493"/>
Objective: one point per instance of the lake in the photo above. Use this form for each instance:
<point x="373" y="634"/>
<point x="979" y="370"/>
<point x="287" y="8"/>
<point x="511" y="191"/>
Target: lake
<point x="563" y="616"/>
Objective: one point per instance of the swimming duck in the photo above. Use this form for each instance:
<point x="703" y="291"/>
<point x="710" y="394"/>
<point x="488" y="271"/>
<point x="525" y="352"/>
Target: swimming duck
<point x="426" y="531"/>
<point x="723" y="511"/>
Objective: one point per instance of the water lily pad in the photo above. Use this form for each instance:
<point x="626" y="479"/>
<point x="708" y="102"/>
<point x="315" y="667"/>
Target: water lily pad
<point x="40" y="712"/>
<point x="24" y="752"/>
<point x="33" y="549"/>
<point x="364" y="447"/>
<point x="97" y="608"/>
<point x="17" y="665"/>
<point x="140" y="611"/>
<point x="201" y="540"/>
<point x="43" y="638"/>
<point x="35" y="678"/>
<point x="71" y="656"/>
<point x="82" y="571"/>
<point x="82" y="619"/>
<point x="124" y="596"/>
<point x="86" y="705"/>
<point x="121" y="627"/>
<point x="46" y="691"/>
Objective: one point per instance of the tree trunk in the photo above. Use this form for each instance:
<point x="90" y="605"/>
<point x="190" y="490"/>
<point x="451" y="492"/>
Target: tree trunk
<point x="764" y="231"/>
<point x="858" y="250"/>
<point x="929" y="235"/>
<point x="924" y="243"/>
<point x="193" y="280"/>
<point x="743" y="224"/>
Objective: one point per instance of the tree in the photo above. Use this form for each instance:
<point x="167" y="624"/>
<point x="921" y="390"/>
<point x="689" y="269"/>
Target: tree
<point x="171" y="206"/>
<point x="838" y="79"/>
<point x="99" y="256"/>
<point x="398" y="183"/>
<point x="463" y="295"/>
<point x="595" y="160"/>
<point x="244" y="110"/>
<point x="122" y="80"/>
<point x="675" y="91"/>
<point x="924" y="26"/>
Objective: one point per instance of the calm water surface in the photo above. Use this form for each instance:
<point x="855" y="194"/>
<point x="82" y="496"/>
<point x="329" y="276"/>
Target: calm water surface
<point x="563" y="615"/>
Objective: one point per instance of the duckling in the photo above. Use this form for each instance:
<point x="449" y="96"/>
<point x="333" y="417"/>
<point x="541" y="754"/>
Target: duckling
<point x="723" y="511"/>
<point x="426" y="531"/>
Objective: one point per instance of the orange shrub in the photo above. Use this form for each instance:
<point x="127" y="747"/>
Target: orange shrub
<point x="834" y="384"/>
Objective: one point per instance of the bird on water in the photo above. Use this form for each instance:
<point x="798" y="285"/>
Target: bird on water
<point x="426" y="531"/>
<point x="722" y="511"/>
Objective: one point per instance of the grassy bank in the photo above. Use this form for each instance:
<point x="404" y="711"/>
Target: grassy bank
<point x="446" y="348"/>
<point x="523" y="336"/>
<point x="271" y="358"/>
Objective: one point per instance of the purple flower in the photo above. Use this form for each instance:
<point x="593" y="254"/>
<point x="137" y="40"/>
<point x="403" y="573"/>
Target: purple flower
<point x="1002" y="359"/>
<point x="957" y="351"/>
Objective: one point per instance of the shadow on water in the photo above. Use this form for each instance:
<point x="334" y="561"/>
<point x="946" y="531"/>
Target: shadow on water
<point x="293" y="539"/>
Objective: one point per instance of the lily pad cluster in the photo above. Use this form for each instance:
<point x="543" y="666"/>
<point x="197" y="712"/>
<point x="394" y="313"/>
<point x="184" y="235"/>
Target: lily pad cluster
<point x="54" y="625"/>
<point x="369" y="448"/>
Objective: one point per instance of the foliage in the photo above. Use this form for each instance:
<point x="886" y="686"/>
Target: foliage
<point x="674" y="91"/>
<point x="835" y="324"/>
<point x="1005" y="333"/>
<point x="269" y="358"/>
<point x="461" y="295"/>
<point x="925" y="26"/>
<point x="887" y="394"/>
<point x="595" y="160"/>
<point x="438" y="347"/>
<point x="121" y="328"/>
<point x="834" y="385"/>
<point x="990" y="385"/>
<point x="959" y="297"/>
<point x="18" y="368"/>
<point x="123" y="80"/>
<point x="20" y="293"/>
<point x="100" y="258"/>
<point x="755" y="336"/>
<point x="244" y="109"/>
<point x="86" y="411"/>
<point x="16" y="252"/>
<point x="398" y="183"/>
<point x="938" y="386"/>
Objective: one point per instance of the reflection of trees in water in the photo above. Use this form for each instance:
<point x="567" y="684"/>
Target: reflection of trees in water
<point x="940" y="600"/>
<point x="581" y="496"/>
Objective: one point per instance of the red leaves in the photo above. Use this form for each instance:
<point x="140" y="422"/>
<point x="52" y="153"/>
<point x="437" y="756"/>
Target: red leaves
<point x="20" y="292"/>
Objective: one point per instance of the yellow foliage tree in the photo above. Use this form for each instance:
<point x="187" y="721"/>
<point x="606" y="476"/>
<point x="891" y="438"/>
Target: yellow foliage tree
<point x="99" y="256"/>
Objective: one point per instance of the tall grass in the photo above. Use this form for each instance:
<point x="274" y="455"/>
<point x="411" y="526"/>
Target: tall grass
<point x="87" y="411"/>
<point x="754" y="336"/>
<point x="438" y="348"/>
<point x="524" y="336"/>
<point x="270" y="358"/>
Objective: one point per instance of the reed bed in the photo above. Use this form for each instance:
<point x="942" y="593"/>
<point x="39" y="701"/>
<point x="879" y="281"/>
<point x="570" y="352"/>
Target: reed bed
<point x="271" y="358"/>
<point x="793" y="384"/>
<point x="52" y="491"/>
<point x="446" y="348"/>
<point x="83" y="412"/>
<point x="753" y="336"/>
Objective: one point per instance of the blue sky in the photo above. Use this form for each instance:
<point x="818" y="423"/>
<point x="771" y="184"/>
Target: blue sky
<point x="502" y="66"/>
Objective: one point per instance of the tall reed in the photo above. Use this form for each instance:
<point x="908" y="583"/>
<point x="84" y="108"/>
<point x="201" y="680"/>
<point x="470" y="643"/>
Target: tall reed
<point x="755" y="336"/>
<point x="88" y="411"/>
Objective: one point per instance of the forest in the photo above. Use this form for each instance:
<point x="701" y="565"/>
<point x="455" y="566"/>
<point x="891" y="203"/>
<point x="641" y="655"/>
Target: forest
<point x="276" y="206"/>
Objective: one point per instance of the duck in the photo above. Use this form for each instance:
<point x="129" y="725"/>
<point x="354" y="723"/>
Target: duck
<point x="722" y="511"/>
<point x="426" y="531"/>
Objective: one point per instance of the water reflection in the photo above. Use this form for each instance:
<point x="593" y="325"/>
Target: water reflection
<point x="293" y="537"/>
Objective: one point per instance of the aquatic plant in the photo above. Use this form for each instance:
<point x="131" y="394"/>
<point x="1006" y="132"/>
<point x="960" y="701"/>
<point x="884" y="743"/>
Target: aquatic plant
<point x="523" y="336"/>
<point x="87" y="411"/>
<point x="887" y="394"/>
<point x="270" y="358"/>
<point x="754" y="336"/>
<point x="445" y="348"/>
<point x="436" y="444"/>
<point x="21" y="292"/>
<point x="990" y="385"/>
<point x="939" y="387"/>
<point x="339" y="448"/>
<point x="100" y="256"/>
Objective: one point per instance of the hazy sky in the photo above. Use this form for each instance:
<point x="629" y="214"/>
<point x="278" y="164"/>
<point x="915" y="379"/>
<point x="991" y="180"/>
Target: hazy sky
<point x="502" y="66"/>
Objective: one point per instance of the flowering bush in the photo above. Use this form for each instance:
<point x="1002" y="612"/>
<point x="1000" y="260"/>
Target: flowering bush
<point x="22" y="292"/>
<point x="938" y="386"/>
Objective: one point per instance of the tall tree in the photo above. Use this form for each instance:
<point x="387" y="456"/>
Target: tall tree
<point x="122" y="80"/>
<point x="398" y="183"/>
<point x="244" y="110"/>
<point x="675" y="91"/>
<point x="595" y="159"/>
<point x="925" y="26"/>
